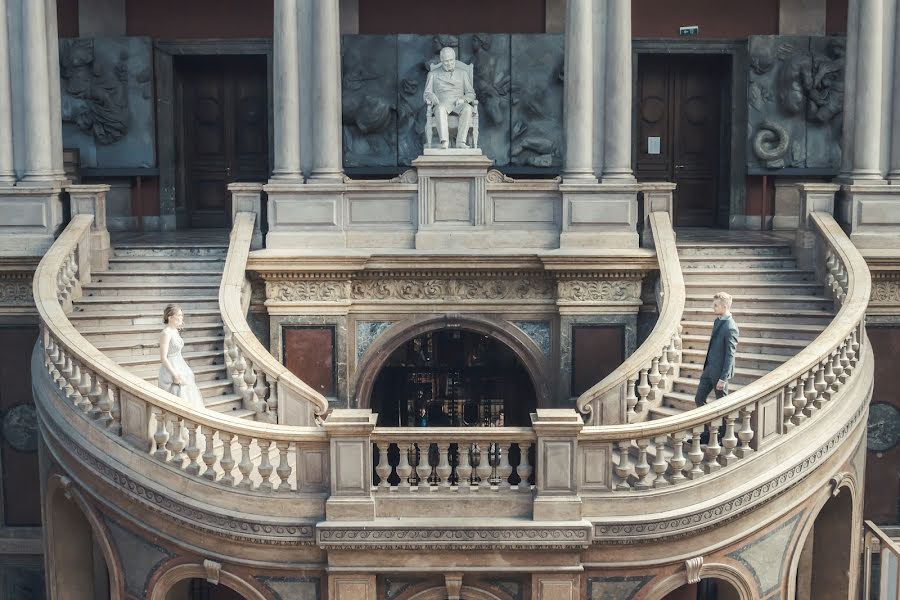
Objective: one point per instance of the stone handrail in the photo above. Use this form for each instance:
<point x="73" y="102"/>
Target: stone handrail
<point x="799" y="389"/>
<point x="887" y="580"/>
<point x="651" y="369"/>
<point x="265" y="384"/>
<point x="202" y="444"/>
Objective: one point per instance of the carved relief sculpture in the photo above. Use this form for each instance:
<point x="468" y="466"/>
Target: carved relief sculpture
<point x="537" y="104"/>
<point x="101" y="89"/>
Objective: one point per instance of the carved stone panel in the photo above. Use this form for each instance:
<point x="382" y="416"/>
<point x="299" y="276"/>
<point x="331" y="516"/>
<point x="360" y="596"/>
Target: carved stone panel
<point x="537" y="100"/>
<point x="796" y="102"/>
<point x="107" y="100"/>
<point x="369" y="100"/>
<point x="489" y="54"/>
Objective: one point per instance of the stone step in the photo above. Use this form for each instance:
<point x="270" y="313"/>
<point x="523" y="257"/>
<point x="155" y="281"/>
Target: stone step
<point x="201" y="372"/>
<point x="173" y="250"/>
<point x="740" y="275"/>
<point x="742" y="375"/>
<point x="758" y="330"/>
<point x="166" y="263"/>
<point x="225" y="403"/>
<point x="661" y="412"/>
<point x="147" y="332"/>
<point x="768" y="288"/>
<point x="685" y="385"/>
<point x="737" y="249"/>
<point x="150" y="362"/>
<point x="772" y="316"/>
<point x="743" y="360"/>
<point x="706" y="263"/>
<point x="155" y="276"/>
<point x="167" y="289"/>
<point x="682" y="402"/>
<point x="777" y="346"/>
<point x="150" y="303"/>
<point x="755" y="301"/>
<point x="122" y="348"/>
<point x="106" y="317"/>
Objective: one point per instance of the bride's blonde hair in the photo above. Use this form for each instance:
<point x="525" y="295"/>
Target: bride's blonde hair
<point x="170" y="310"/>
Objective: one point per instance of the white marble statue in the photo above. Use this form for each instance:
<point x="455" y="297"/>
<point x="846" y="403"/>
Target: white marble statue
<point x="449" y="93"/>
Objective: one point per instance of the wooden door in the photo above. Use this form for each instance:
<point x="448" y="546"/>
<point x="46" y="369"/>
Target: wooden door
<point x="680" y="131"/>
<point x="224" y="132"/>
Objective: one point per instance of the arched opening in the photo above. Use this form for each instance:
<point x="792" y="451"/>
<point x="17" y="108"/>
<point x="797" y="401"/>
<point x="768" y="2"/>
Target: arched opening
<point x="200" y="589"/>
<point x="453" y="377"/>
<point x="823" y="571"/>
<point x="708" y="588"/>
<point x="78" y="567"/>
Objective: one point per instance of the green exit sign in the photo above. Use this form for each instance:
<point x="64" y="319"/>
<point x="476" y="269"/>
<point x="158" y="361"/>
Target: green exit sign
<point x="689" y="30"/>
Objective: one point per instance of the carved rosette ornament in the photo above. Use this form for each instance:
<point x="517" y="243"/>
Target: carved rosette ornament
<point x="885" y="291"/>
<point x="599" y="291"/>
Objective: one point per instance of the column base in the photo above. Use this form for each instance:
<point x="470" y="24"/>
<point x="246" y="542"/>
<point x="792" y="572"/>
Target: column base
<point x="870" y="214"/>
<point x="599" y="216"/>
<point x="305" y="216"/>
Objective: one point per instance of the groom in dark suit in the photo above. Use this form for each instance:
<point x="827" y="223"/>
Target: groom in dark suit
<point x="718" y="367"/>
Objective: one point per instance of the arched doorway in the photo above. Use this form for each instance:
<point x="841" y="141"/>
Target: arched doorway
<point x="823" y="571"/>
<point x="200" y="589"/>
<point x="708" y="588"/>
<point x="453" y="377"/>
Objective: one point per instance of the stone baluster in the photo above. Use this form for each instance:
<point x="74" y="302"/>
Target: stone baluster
<point x="695" y="454"/>
<point x="227" y="462"/>
<point x="713" y="449"/>
<point x="51" y="353"/>
<point x="261" y="390"/>
<point x="831" y="377"/>
<point x="820" y="386"/>
<point x="404" y="469"/>
<point x="642" y="468"/>
<point x="664" y="368"/>
<point x="161" y="436"/>
<point x="284" y="468"/>
<point x="250" y="400"/>
<point x="660" y="466"/>
<point x="631" y="401"/>
<point x="788" y="408"/>
<point x="383" y="470"/>
<point x="622" y="467"/>
<point x="809" y="393"/>
<point x="64" y="368"/>
<point x="443" y="469"/>
<point x="729" y="441"/>
<point x="844" y="362"/>
<point x="246" y="465"/>
<point x="175" y="444"/>
<point x="192" y="450"/>
<point x="237" y="374"/>
<point x="94" y="395"/>
<point x="483" y="470"/>
<point x="67" y="372"/>
<point x="525" y="468"/>
<point x="654" y="377"/>
<point x="115" y="426"/>
<point x="504" y="469"/>
<point x="104" y="403"/>
<point x="745" y="435"/>
<point x="265" y="466"/>
<point x="463" y="467"/>
<point x="423" y="469"/>
<point x="209" y="454"/>
<point x="677" y="462"/>
<point x="84" y="390"/>
<point x="643" y="390"/>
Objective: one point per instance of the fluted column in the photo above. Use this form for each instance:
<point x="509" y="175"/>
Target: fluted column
<point x="617" y="149"/>
<point x="7" y="164"/>
<point x="867" y="126"/>
<point x="327" y="155"/>
<point x="287" y="91"/>
<point x="38" y="147"/>
<point x="56" y="144"/>
<point x="579" y="93"/>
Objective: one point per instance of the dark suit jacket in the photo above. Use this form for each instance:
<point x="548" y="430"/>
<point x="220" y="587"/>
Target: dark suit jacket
<point x="719" y="363"/>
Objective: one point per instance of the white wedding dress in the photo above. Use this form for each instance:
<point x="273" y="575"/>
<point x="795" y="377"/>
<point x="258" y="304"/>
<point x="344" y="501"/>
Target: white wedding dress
<point x="188" y="390"/>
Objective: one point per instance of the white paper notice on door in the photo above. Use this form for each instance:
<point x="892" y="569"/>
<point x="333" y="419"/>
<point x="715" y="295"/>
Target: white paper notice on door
<point x="653" y="145"/>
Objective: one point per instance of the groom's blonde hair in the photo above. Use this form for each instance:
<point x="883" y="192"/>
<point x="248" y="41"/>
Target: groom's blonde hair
<point x="724" y="298"/>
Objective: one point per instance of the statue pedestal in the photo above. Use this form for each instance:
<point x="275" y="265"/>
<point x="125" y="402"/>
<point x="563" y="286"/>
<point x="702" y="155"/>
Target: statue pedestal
<point x="452" y="199"/>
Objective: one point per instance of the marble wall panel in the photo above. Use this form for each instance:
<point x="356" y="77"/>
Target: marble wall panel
<point x="767" y="557"/>
<point x="293" y="588"/>
<point x="139" y="558"/>
<point x="490" y="56"/>
<point x="369" y="100"/>
<point x="537" y="100"/>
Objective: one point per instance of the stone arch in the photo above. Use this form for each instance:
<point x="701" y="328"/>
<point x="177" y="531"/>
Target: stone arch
<point x="74" y="527"/>
<point x="160" y="588"/>
<point x="735" y="577"/>
<point x="832" y="504"/>
<point x="398" y="334"/>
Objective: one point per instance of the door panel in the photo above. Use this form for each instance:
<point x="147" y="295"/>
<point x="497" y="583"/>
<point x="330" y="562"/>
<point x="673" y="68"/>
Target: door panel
<point x="225" y="111"/>
<point x="679" y="102"/>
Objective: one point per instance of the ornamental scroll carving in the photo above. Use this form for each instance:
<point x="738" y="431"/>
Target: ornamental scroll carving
<point x="600" y="291"/>
<point x="453" y="289"/>
<point x="306" y="291"/>
<point x="16" y="292"/>
<point x="885" y="291"/>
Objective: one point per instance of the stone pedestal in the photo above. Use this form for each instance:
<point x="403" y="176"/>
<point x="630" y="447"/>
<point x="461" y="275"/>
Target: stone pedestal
<point x="452" y="199"/>
<point x="812" y="197"/>
<point x="871" y="214"/>
<point x="305" y="215"/>
<point x="29" y="218"/>
<point x="351" y="465"/>
<point x="247" y="197"/>
<point x="602" y="215"/>
<point x="787" y="203"/>
<point x="556" y="482"/>
<point x="91" y="200"/>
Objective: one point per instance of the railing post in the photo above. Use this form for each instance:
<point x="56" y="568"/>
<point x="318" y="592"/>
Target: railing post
<point x="556" y="482"/>
<point x="657" y="197"/>
<point x="814" y="197"/>
<point x="349" y="434"/>
<point x="247" y="197"/>
<point x="91" y="200"/>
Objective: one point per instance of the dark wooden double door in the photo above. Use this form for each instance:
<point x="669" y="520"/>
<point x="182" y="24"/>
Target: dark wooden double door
<point x="680" y="133"/>
<point x="223" y="133"/>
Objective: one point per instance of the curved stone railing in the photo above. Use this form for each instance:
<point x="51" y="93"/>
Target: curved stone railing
<point x="651" y="369"/>
<point x="265" y="384"/>
<point x="652" y="454"/>
<point x="202" y="444"/>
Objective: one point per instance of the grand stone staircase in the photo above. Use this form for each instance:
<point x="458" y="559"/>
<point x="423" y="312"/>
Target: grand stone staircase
<point x="778" y="307"/>
<point x="120" y="312"/>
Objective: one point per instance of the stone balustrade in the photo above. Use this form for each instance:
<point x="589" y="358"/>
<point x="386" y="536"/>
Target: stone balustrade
<point x="625" y="395"/>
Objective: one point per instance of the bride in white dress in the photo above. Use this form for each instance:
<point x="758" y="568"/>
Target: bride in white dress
<point x="175" y="376"/>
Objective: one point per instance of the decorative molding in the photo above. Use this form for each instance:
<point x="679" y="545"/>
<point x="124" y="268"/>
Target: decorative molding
<point x="694" y="523"/>
<point x="840" y="480"/>
<point x="594" y="292"/>
<point x="495" y="176"/>
<point x="307" y="291"/>
<point x="361" y="537"/>
<point x="885" y="289"/>
<point x="407" y="176"/>
<point x="212" y="569"/>
<point x="693" y="566"/>
<point x="453" y="583"/>
<point x="453" y="289"/>
<point x="16" y="289"/>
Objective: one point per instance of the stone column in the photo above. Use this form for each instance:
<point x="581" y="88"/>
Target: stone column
<point x="7" y="165"/>
<point x="326" y="29"/>
<point x="867" y="125"/>
<point x="38" y="147"/>
<point x="849" y="116"/>
<point x="56" y="144"/>
<point x="287" y="91"/>
<point x="579" y="93"/>
<point x="894" y="164"/>
<point x="617" y="149"/>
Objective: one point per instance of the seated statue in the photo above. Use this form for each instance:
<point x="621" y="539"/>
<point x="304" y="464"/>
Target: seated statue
<point x="449" y="93"/>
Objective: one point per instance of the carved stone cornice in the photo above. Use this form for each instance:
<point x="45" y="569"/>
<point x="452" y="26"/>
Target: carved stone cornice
<point x="294" y="291"/>
<point x="599" y="291"/>
<point x="437" y="536"/>
<point x="452" y="289"/>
